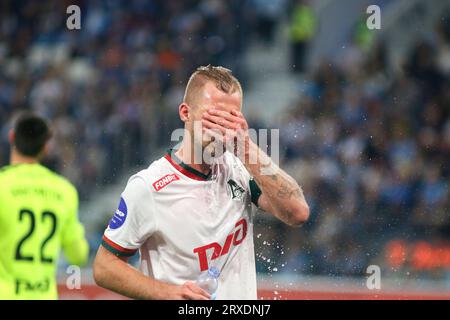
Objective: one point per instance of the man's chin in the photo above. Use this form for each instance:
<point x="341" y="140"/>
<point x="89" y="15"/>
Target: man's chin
<point x="213" y="149"/>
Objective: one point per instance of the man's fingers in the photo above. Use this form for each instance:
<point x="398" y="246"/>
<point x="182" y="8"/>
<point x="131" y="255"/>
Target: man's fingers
<point x="213" y="126"/>
<point x="218" y="129"/>
<point x="193" y="296"/>
<point x="195" y="288"/>
<point x="218" y="135"/>
<point x="221" y="121"/>
<point x="230" y="116"/>
<point x="197" y="291"/>
<point x="234" y="116"/>
<point x="237" y="114"/>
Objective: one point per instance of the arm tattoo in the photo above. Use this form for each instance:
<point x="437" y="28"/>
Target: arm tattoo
<point x="289" y="190"/>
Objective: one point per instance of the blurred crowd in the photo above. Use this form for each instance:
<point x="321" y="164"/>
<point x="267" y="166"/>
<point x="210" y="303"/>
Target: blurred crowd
<point x="369" y="144"/>
<point x="371" y="147"/>
<point x="110" y="88"/>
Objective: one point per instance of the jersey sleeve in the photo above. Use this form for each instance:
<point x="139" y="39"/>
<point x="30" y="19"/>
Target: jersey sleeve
<point x="255" y="191"/>
<point x="134" y="220"/>
<point x="74" y="243"/>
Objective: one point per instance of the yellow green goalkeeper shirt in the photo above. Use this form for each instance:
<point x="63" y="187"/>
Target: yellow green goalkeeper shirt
<point x="38" y="218"/>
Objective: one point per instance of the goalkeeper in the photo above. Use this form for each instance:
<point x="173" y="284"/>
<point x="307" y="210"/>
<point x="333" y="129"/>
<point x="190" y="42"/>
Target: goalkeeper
<point x="38" y="217"/>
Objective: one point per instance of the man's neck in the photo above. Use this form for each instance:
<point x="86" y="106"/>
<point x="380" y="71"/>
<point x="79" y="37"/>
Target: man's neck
<point x="17" y="158"/>
<point x="188" y="157"/>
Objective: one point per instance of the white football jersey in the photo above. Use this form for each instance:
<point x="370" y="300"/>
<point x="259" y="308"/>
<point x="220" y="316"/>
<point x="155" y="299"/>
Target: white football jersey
<point x="183" y="222"/>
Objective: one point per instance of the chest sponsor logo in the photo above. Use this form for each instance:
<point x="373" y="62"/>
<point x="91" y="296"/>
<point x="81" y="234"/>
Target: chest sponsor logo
<point x="237" y="192"/>
<point x="165" y="181"/>
<point x="119" y="216"/>
<point x="235" y="238"/>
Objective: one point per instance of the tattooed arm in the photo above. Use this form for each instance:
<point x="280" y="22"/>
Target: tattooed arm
<point x="281" y="195"/>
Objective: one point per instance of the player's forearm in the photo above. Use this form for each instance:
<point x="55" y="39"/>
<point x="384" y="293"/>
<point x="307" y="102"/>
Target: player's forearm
<point x="283" y="193"/>
<point x="116" y="275"/>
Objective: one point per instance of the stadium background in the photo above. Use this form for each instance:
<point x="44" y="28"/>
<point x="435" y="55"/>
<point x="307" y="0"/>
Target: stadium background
<point x="364" y="120"/>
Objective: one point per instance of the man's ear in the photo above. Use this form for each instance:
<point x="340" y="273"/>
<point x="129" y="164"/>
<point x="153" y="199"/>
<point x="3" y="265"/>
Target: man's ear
<point x="44" y="151"/>
<point x="11" y="136"/>
<point x="184" y="112"/>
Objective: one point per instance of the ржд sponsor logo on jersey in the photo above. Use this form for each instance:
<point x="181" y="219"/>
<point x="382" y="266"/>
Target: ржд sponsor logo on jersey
<point x="235" y="238"/>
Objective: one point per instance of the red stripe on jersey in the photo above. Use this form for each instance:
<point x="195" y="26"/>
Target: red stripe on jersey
<point x="117" y="247"/>
<point x="183" y="170"/>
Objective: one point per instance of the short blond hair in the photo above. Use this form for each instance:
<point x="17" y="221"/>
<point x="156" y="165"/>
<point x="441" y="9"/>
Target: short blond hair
<point x="220" y="76"/>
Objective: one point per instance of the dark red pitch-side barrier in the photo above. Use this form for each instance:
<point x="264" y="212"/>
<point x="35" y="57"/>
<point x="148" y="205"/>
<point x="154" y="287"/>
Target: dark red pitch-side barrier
<point x="93" y="292"/>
